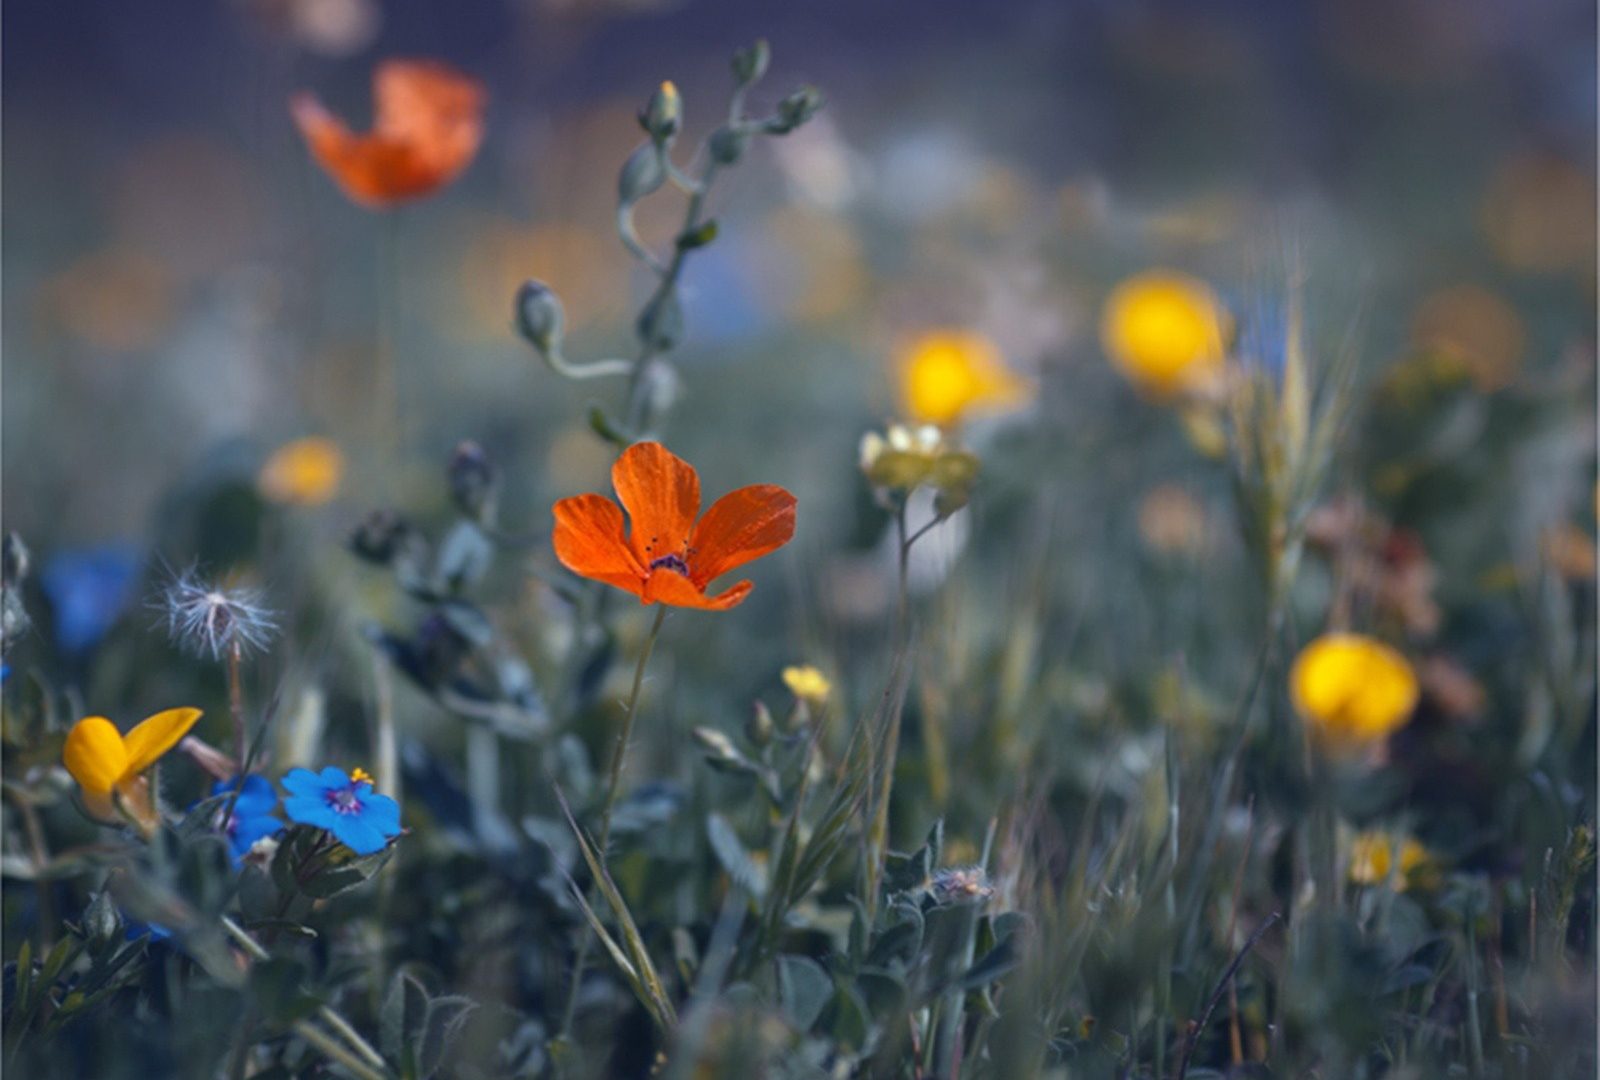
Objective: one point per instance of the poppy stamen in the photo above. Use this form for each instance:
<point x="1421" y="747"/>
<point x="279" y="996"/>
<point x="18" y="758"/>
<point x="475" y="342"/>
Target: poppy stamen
<point x="671" y="562"/>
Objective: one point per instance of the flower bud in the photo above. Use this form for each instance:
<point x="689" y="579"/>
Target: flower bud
<point x="474" y="481"/>
<point x="102" y="923"/>
<point x="750" y="64"/>
<point x="382" y="536"/>
<point x="14" y="556"/>
<point x="663" y="114"/>
<point x="758" y="726"/>
<point x="795" y="110"/>
<point x="539" y="317"/>
<point x="727" y="144"/>
<point x="641" y="174"/>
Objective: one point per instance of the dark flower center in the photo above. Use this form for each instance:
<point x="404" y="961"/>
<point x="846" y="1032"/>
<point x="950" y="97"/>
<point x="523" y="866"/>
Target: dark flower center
<point x="674" y="563"/>
<point x="344" y="801"/>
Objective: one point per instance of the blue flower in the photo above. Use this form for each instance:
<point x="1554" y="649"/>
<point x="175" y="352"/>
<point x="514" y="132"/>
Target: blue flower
<point x="136" y="930"/>
<point x="88" y="589"/>
<point x="358" y="817"/>
<point x="252" y="816"/>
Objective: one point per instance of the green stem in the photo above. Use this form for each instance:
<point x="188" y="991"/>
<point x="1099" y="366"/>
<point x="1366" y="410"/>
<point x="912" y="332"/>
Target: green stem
<point x="614" y="784"/>
<point x="373" y="1064"/>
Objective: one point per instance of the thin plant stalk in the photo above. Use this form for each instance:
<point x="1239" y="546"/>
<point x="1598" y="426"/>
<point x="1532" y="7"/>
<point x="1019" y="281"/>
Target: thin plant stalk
<point x="236" y="706"/>
<point x="614" y="783"/>
<point x="360" y="1057"/>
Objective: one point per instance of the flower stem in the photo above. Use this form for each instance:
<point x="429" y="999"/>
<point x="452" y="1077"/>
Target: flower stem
<point x="618" y="756"/>
<point x="236" y="706"/>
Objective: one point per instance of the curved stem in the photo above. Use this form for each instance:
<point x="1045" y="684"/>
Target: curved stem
<point x="614" y="784"/>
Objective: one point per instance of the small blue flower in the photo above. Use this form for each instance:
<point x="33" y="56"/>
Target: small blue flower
<point x="252" y="816"/>
<point x="88" y="590"/>
<point x="358" y="817"/>
<point x="136" y="930"/>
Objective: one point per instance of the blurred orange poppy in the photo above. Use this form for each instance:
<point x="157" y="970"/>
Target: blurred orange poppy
<point x="427" y="124"/>
<point x="665" y="556"/>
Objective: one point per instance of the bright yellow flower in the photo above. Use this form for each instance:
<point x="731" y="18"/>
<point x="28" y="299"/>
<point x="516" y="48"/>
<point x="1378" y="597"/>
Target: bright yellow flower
<point x="1166" y="332"/>
<point x="305" y="472"/>
<point x="807" y="683"/>
<point x="1373" y="856"/>
<point x="105" y="762"/>
<point x="946" y="373"/>
<point x="1352" y="689"/>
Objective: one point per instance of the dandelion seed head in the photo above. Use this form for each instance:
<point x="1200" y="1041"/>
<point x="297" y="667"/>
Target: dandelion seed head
<point x="207" y="619"/>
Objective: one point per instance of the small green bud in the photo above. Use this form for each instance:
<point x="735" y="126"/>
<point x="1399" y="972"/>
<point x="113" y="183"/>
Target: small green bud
<point x="726" y="145"/>
<point x="603" y="426"/>
<point x="697" y="237"/>
<point x="539" y="317"/>
<point x="750" y="64"/>
<point x="102" y="923"/>
<point x="642" y="173"/>
<point x="795" y="110"/>
<point x="663" y="113"/>
<point x="758" y="727"/>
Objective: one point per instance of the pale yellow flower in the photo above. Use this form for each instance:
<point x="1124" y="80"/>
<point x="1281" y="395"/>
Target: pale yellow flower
<point x="305" y="472"/>
<point x="1352" y="690"/>
<point x="807" y="683"/>
<point x="1166" y="332"/>
<point x="945" y="374"/>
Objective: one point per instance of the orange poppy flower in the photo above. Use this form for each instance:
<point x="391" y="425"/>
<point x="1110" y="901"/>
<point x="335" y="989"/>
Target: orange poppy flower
<point x="666" y="556"/>
<point x="427" y="124"/>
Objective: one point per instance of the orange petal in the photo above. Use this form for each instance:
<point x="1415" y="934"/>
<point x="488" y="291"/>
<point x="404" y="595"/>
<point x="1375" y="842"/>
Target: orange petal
<point x="428" y="124"/>
<point x="155" y="735"/>
<point x="741" y="526"/>
<point x="427" y="102"/>
<point x="95" y="756"/>
<point x="661" y="492"/>
<point x="670" y="587"/>
<point x="589" y="541"/>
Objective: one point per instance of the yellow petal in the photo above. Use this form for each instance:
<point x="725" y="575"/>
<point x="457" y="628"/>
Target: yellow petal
<point x="155" y="736"/>
<point x="94" y="755"/>
<point x="306" y="471"/>
<point x="1353" y="689"/>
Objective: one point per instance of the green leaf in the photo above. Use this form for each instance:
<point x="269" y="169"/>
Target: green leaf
<point x="636" y="957"/>
<point x="405" y="1005"/>
<point x="441" y="1028"/>
<point x="804" y="988"/>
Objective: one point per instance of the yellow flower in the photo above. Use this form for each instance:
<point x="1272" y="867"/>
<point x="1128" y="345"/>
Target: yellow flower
<point x="304" y="472"/>
<point x="1166" y="332"/>
<point x="1352" y="689"/>
<point x="946" y="373"/>
<point x="1373" y="856"/>
<point x="807" y="683"/>
<point x="105" y="762"/>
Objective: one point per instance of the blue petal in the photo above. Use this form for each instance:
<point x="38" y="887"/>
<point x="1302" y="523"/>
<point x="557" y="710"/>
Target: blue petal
<point x="88" y="590"/>
<point x="248" y="830"/>
<point x="303" y="782"/>
<point x="357" y="835"/>
<point x="382" y="813"/>
<point x="335" y="777"/>
<point x="258" y="796"/>
<point x="312" y="810"/>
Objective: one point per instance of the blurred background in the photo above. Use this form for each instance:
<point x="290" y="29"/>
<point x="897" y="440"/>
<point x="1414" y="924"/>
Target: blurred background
<point x="186" y="290"/>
